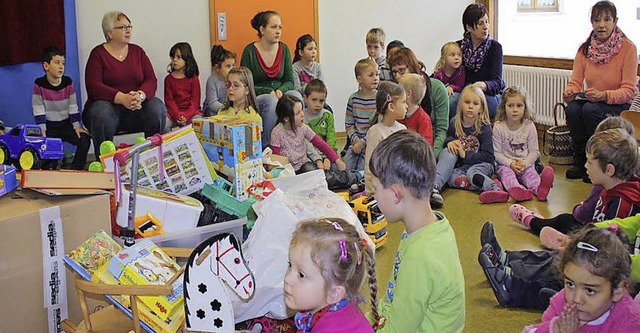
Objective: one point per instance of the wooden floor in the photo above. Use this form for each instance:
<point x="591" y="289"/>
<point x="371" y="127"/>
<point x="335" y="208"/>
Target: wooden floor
<point x="467" y="215"/>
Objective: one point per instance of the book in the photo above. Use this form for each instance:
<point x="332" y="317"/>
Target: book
<point x="144" y="263"/>
<point x="91" y="260"/>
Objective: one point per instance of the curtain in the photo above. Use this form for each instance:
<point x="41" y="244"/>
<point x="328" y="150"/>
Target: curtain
<point x="28" y="27"/>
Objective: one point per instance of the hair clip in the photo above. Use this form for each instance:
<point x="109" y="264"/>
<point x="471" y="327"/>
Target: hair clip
<point x="389" y="98"/>
<point x="587" y="246"/>
<point x="343" y="250"/>
<point x="336" y="225"/>
<point x="614" y="227"/>
<point x="358" y="253"/>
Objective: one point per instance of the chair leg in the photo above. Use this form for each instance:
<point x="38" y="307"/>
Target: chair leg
<point x="134" y="311"/>
<point x="68" y="326"/>
<point x="85" y="310"/>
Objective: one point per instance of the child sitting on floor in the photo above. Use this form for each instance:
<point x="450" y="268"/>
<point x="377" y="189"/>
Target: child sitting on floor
<point x="327" y="264"/>
<point x="515" y="144"/>
<point x="450" y="70"/>
<point x="416" y="119"/>
<point x="595" y="266"/>
<point x="318" y="118"/>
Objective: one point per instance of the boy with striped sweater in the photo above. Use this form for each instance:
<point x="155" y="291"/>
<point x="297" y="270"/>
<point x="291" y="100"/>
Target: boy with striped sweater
<point x="55" y="106"/>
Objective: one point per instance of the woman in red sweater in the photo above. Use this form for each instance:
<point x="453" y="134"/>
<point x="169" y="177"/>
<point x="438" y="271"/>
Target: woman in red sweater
<point x="607" y="61"/>
<point x="121" y="86"/>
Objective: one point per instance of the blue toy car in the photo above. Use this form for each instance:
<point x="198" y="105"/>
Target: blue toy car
<point x="27" y="148"/>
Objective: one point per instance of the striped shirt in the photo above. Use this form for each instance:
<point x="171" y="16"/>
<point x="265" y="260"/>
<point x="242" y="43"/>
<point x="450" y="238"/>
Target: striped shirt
<point x="360" y="110"/>
<point x="55" y="104"/>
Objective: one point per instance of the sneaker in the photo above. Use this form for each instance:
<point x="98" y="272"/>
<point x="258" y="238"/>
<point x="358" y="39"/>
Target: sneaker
<point x="487" y="236"/>
<point x="494" y="196"/>
<point x="498" y="279"/>
<point x="576" y="172"/>
<point x="519" y="193"/>
<point x="493" y="256"/>
<point x="546" y="183"/>
<point x="436" y="200"/>
<point x="522" y="215"/>
<point x="553" y="239"/>
<point x="462" y="182"/>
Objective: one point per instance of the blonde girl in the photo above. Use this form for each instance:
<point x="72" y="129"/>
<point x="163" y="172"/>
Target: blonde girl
<point x="467" y="161"/>
<point x="305" y="66"/>
<point x="222" y="60"/>
<point x="241" y="97"/>
<point x="595" y="267"/>
<point x="449" y="68"/>
<point x="391" y="106"/>
<point x="182" y="87"/>
<point x="327" y="264"/>
<point x="515" y="144"/>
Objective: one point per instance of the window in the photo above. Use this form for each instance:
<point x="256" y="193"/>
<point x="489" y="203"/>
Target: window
<point x="527" y="6"/>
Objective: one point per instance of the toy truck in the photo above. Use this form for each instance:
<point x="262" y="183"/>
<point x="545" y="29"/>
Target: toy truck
<point x="372" y="219"/>
<point x="27" y="148"/>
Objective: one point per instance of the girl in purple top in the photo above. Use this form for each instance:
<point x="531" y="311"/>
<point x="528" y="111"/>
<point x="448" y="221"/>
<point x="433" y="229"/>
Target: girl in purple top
<point x="327" y="264"/>
<point x="596" y="269"/>
<point x="450" y="71"/>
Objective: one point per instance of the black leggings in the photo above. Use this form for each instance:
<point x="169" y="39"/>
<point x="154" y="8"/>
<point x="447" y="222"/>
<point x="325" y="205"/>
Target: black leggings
<point x="565" y="223"/>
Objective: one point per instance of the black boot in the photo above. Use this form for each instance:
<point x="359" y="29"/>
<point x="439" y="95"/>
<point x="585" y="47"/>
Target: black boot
<point x="578" y="171"/>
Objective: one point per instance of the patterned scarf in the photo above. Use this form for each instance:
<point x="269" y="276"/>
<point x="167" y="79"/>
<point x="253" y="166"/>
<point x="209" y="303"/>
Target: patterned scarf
<point x="602" y="52"/>
<point x="306" y="320"/>
<point x="473" y="59"/>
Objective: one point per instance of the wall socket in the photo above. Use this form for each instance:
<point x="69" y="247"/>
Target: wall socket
<point x="222" y="26"/>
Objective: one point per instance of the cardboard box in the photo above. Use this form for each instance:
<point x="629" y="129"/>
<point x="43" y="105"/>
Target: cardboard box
<point x="234" y="147"/>
<point x="21" y="275"/>
<point x="8" y="180"/>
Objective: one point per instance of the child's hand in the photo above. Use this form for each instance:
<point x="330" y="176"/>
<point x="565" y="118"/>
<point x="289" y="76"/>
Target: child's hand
<point x="568" y="321"/>
<point x="481" y="84"/>
<point x="277" y="93"/>
<point x="320" y="164"/>
<point x="341" y="165"/>
<point x="357" y="145"/>
<point x="181" y="121"/>
<point x="450" y="90"/>
<point x="81" y="130"/>
<point x="327" y="164"/>
<point x="454" y="147"/>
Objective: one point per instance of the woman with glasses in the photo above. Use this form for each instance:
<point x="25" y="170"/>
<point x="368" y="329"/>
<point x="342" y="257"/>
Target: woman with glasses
<point x="121" y="86"/>
<point x="482" y="57"/>
<point x="436" y="99"/>
<point x="269" y="60"/>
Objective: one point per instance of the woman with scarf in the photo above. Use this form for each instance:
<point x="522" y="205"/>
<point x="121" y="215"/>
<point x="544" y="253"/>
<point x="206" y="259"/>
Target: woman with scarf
<point x="482" y="57"/>
<point x="607" y="61"/>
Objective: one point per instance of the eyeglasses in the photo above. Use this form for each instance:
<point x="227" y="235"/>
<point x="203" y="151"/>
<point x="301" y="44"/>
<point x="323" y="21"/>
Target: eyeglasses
<point x="124" y="27"/>
<point x="234" y="86"/>
<point x="400" y="71"/>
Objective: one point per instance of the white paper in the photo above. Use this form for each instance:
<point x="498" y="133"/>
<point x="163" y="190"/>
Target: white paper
<point x="53" y="269"/>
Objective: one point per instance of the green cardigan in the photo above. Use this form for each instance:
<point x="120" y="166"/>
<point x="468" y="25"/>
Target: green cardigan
<point x="263" y="84"/>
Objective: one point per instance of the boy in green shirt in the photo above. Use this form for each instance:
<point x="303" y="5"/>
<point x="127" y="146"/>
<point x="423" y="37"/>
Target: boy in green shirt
<point x="426" y="290"/>
<point x="318" y="118"/>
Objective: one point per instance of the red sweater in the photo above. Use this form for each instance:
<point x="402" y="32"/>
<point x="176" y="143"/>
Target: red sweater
<point x="105" y="76"/>
<point x="421" y="123"/>
<point x="182" y="97"/>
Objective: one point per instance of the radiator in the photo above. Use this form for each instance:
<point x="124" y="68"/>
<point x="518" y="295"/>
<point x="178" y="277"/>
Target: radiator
<point x="545" y="86"/>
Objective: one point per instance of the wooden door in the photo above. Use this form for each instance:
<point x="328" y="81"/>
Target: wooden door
<point x="298" y="18"/>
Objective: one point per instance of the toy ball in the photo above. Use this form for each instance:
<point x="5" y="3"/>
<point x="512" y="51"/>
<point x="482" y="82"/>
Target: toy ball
<point x="107" y="147"/>
<point x="139" y="139"/>
<point x="96" y="166"/>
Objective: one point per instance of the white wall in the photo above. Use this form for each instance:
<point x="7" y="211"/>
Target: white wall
<point x="557" y="35"/>
<point x="158" y="24"/>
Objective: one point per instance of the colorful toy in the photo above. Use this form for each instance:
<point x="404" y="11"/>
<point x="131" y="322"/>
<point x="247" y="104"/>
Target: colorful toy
<point x="27" y="148"/>
<point x="369" y="214"/>
<point x="148" y="225"/>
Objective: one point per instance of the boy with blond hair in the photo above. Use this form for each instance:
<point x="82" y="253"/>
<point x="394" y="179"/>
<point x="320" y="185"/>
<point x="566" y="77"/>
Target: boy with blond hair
<point x="416" y="119"/>
<point x="403" y="167"/>
<point x="375" y="49"/>
<point x="360" y="110"/>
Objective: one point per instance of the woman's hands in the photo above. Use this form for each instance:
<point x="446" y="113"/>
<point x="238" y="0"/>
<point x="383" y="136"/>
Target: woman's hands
<point x="592" y="95"/>
<point x="131" y="100"/>
<point x="277" y="93"/>
<point x="568" y="95"/>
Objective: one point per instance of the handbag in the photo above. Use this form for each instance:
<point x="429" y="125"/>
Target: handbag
<point x="556" y="142"/>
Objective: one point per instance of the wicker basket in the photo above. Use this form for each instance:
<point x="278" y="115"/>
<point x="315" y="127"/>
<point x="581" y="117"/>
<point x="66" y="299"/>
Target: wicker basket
<point x="557" y="141"/>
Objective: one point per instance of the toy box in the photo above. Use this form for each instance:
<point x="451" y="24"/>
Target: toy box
<point x="176" y="212"/>
<point x="144" y="263"/>
<point x="7" y="179"/>
<point x="234" y="147"/>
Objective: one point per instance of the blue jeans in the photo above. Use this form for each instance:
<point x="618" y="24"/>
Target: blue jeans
<point x="267" y="110"/>
<point x="352" y="160"/>
<point x="105" y="119"/>
<point x="493" y="101"/>
<point x="446" y="172"/>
